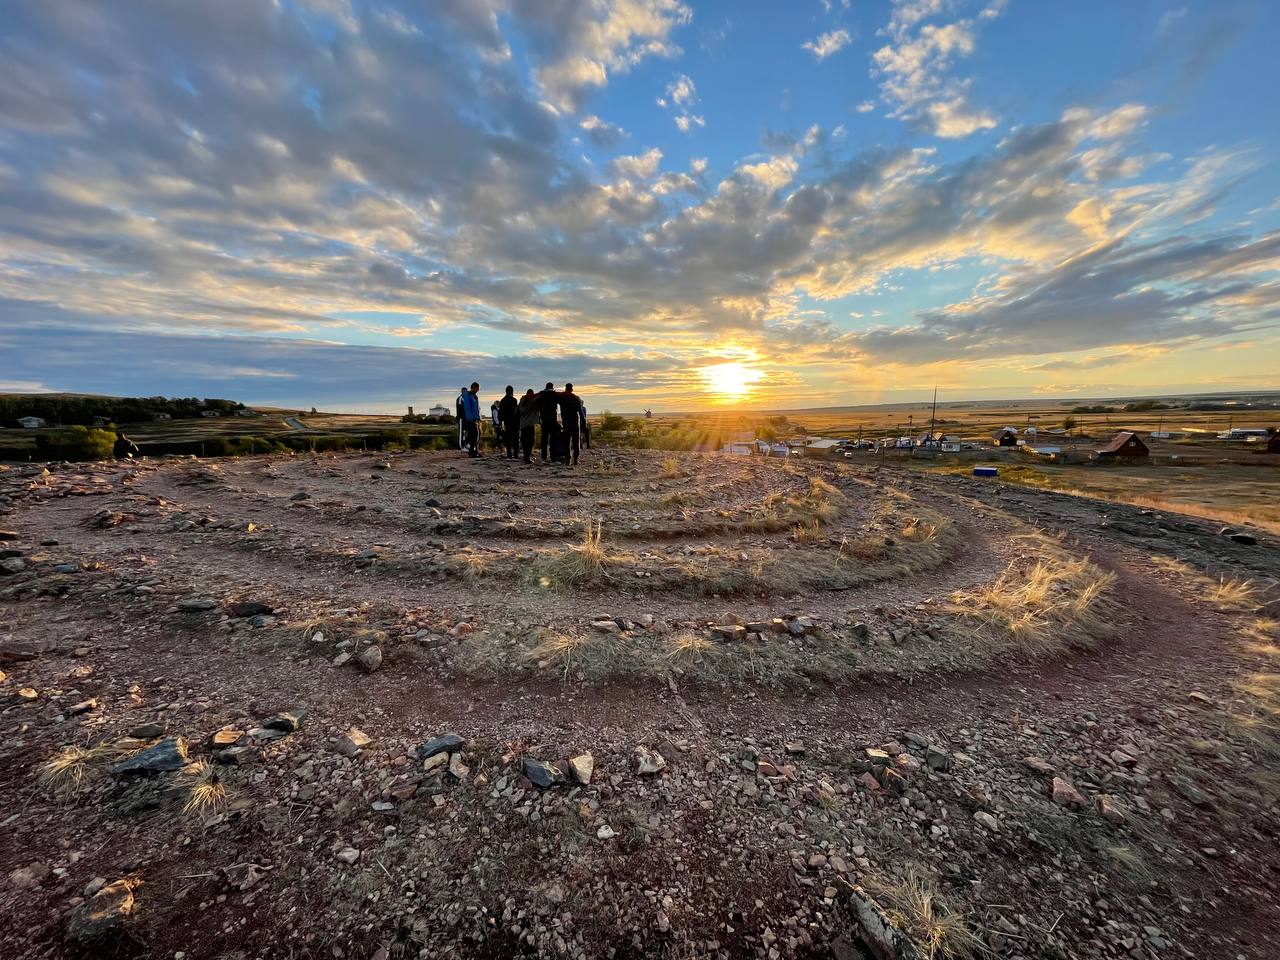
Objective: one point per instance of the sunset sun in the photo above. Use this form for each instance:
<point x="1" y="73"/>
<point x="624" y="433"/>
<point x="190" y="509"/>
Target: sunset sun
<point x="730" y="381"/>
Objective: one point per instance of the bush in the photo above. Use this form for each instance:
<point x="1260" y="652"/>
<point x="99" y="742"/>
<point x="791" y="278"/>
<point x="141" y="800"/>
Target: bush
<point x="76" y="443"/>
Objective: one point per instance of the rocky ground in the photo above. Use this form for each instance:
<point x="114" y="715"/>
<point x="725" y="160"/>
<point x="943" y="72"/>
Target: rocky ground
<point x="374" y="707"/>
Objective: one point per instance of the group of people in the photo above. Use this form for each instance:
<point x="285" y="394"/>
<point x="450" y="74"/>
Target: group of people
<point x="560" y="413"/>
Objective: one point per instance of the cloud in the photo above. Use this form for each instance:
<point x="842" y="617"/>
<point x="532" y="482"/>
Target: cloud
<point x="377" y="181"/>
<point x="827" y="44"/>
<point x="913" y="67"/>
<point x="681" y="95"/>
<point x="602" y="133"/>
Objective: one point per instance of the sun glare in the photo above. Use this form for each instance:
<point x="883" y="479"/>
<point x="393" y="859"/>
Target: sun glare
<point x="729" y="381"/>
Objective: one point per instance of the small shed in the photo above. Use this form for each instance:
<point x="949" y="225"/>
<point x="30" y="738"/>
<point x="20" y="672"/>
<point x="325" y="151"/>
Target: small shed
<point x="1008" y="437"/>
<point x="1127" y="445"/>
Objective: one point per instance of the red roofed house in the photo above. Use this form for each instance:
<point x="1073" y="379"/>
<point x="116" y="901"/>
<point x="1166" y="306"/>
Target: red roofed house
<point x="1124" y="444"/>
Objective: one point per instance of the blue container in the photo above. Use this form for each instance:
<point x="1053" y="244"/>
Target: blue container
<point x="986" y="472"/>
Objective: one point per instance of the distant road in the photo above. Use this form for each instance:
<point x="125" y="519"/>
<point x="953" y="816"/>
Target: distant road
<point x="295" y="423"/>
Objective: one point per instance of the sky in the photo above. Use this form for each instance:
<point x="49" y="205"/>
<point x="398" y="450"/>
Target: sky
<point x="363" y="204"/>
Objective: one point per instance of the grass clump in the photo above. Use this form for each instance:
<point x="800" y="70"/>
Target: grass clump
<point x="73" y="769"/>
<point x="206" y="793"/>
<point x="919" y="911"/>
<point x="1060" y="600"/>
<point x="575" y="564"/>
<point x="671" y="469"/>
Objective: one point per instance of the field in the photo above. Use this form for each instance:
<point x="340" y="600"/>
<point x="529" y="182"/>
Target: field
<point x="665" y="704"/>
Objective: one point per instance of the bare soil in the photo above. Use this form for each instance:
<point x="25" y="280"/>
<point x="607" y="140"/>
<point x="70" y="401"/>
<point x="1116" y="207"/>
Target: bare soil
<point x="741" y="846"/>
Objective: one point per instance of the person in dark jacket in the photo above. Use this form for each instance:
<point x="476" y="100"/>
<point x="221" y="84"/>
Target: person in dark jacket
<point x="548" y="402"/>
<point x="471" y="415"/>
<point x="459" y="415"/>
<point x="509" y="421"/>
<point x="571" y="417"/>
<point x="527" y="417"/>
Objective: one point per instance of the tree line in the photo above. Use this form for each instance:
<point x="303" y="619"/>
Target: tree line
<point x="59" y="409"/>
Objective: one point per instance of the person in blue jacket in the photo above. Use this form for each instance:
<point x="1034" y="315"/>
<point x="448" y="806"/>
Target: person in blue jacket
<point x="471" y="418"/>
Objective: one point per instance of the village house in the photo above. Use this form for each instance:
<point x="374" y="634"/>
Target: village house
<point x="31" y="423"/>
<point x="1124" y="445"/>
<point x="1006" y="437"/>
<point x="439" y="410"/>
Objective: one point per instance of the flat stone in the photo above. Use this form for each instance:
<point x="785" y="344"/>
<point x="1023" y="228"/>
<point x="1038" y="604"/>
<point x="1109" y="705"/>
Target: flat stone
<point x="457" y="768"/>
<point x="1246" y="539"/>
<point x="937" y="759"/>
<point x="1039" y="766"/>
<point x="147" y="731"/>
<point x="287" y="720"/>
<point x="352" y="742"/>
<point x="446" y="743"/>
<point x="12" y="565"/>
<point x="987" y="820"/>
<point x="165" y="756"/>
<point x="221" y="739"/>
<point x="348" y="855"/>
<point x="729" y="631"/>
<point x="1065" y="795"/>
<point x="102" y="914"/>
<point x="197" y="605"/>
<point x="370" y="658"/>
<point x="649" y="761"/>
<point x="582" y="767"/>
<point x="540" y="773"/>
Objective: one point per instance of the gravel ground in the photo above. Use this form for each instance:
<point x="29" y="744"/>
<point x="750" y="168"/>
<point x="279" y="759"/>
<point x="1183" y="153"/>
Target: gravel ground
<point x="1119" y="800"/>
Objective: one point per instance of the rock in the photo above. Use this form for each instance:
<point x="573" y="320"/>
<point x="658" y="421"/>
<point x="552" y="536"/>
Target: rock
<point x="540" y="773"/>
<point x="649" y="761"/>
<point x="167" y="755"/>
<point x="457" y="768"/>
<point x="341" y="659"/>
<point x="861" y="631"/>
<point x="84" y="706"/>
<point x="1246" y="539"/>
<point x="882" y="936"/>
<point x="869" y="781"/>
<point x="1065" y="795"/>
<point x="1107" y="809"/>
<point x="301" y="495"/>
<point x="447" y="743"/>
<point x="197" y="605"/>
<point x="582" y="766"/>
<point x="729" y="631"/>
<point x="1189" y="791"/>
<point x="794" y="747"/>
<point x="1039" y="766"/>
<point x="10" y="535"/>
<point x="243" y="876"/>
<point x="352" y="742"/>
<point x="102" y="914"/>
<point x="348" y="855"/>
<point x="222" y="739"/>
<point x="94" y="885"/>
<point x="435" y="762"/>
<point x="937" y="759"/>
<point x="249" y="608"/>
<point x="32" y="875"/>
<point x="987" y="820"/>
<point x="606" y="832"/>
<point x="12" y="565"/>
<point x="606" y="626"/>
<point x="287" y="721"/>
<point x="370" y="658"/>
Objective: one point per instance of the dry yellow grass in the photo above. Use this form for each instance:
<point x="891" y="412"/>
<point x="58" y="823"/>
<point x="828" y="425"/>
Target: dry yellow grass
<point x="918" y="910"/>
<point x="206" y="793"/>
<point x="72" y="769"/>
<point x="808" y="533"/>
<point x="1233" y="594"/>
<point x="575" y="564"/>
<point x="671" y="469"/>
<point x="1060" y="600"/>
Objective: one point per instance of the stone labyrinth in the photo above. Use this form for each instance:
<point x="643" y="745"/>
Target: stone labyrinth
<point x="679" y="706"/>
<point x="634" y="563"/>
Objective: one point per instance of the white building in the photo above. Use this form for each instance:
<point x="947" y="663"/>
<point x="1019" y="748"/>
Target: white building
<point x="210" y="413"/>
<point x="32" y="423"/>
<point x="439" y="410"/>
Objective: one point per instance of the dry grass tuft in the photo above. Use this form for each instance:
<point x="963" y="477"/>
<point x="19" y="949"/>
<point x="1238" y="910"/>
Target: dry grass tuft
<point x="576" y="564"/>
<point x="1233" y="594"/>
<point x="1060" y="601"/>
<point x="72" y="769"/>
<point x="206" y="793"/>
<point x="671" y="469"/>
<point x="919" y="911"/>
<point x="689" y="647"/>
<point x="808" y="533"/>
